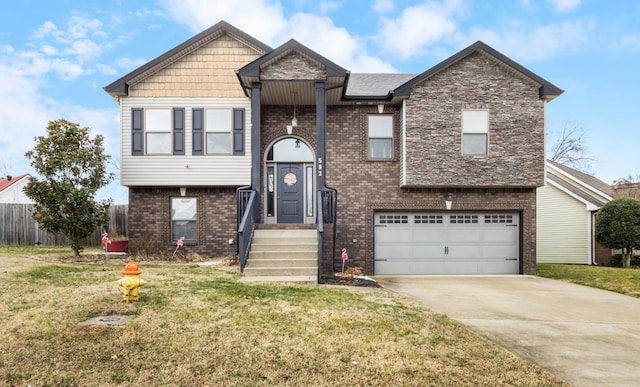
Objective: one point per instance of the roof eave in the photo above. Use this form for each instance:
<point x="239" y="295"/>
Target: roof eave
<point x="120" y="87"/>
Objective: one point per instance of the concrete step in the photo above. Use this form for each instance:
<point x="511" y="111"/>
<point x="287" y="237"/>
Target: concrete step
<point x="290" y="254"/>
<point x="283" y="247"/>
<point x="274" y="262"/>
<point x="299" y="279"/>
<point x="250" y="271"/>
<point x="283" y="255"/>
<point x="277" y="233"/>
<point x="297" y="240"/>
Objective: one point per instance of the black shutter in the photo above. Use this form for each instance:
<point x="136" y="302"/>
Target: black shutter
<point x="178" y="131"/>
<point x="238" y="131"/>
<point x="137" y="133"/>
<point x="196" y="131"/>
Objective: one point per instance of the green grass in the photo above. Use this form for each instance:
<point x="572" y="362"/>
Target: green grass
<point x="619" y="280"/>
<point x="44" y="250"/>
<point x="201" y="326"/>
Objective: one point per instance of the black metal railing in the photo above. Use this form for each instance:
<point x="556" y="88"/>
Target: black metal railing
<point x="246" y="223"/>
<point x="327" y="213"/>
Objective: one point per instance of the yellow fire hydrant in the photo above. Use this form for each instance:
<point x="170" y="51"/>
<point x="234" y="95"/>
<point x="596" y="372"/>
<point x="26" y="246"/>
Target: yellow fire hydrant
<point x="131" y="281"/>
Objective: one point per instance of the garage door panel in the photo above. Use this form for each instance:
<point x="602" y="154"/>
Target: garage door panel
<point x="448" y="243"/>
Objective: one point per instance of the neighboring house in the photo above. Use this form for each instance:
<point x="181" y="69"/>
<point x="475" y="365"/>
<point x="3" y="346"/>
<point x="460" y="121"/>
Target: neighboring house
<point x="11" y="189"/>
<point x="623" y="188"/>
<point x="223" y="128"/>
<point x="567" y="207"/>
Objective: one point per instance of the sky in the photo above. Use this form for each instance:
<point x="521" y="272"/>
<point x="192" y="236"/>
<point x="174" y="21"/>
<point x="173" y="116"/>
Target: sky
<point x="57" y="55"/>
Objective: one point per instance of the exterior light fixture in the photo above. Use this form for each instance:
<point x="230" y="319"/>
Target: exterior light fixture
<point x="448" y="201"/>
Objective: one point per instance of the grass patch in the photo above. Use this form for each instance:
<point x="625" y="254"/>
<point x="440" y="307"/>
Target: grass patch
<point x="200" y="326"/>
<point x="619" y="280"/>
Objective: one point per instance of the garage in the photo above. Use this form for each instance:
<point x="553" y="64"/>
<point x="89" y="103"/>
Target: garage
<point x="446" y="243"/>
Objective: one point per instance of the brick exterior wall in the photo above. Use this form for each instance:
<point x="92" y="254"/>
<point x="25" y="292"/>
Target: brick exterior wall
<point x="150" y="220"/>
<point x="516" y="127"/>
<point x="505" y="180"/>
<point x="365" y="186"/>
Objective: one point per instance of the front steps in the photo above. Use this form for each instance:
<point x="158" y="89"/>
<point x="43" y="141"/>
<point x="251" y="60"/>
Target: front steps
<point x="283" y="255"/>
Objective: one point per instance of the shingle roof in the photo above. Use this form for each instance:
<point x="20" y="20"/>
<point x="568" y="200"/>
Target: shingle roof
<point x="375" y="84"/>
<point x="120" y="86"/>
<point x="585" y="178"/>
<point x="575" y="190"/>
<point x="547" y="89"/>
<point x="6" y="183"/>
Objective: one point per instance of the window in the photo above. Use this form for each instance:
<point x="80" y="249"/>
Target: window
<point x="218" y="125"/>
<point x="460" y="219"/>
<point x="184" y="214"/>
<point x="498" y="219"/>
<point x="475" y="131"/>
<point x="157" y="123"/>
<point x="428" y="219"/>
<point x="380" y="137"/>
<point x="394" y="219"/>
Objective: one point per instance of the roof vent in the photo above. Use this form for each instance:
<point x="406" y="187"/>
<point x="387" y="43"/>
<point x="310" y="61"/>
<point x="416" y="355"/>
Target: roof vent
<point x="9" y="177"/>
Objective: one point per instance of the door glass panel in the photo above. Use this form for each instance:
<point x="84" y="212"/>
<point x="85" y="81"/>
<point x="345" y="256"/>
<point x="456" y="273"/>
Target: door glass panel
<point x="309" y="191"/>
<point x="290" y="149"/>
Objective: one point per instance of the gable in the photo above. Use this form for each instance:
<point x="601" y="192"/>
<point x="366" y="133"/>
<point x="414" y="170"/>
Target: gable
<point x="433" y="154"/>
<point x="546" y="90"/>
<point x="293" y="66"/>
<point x="208" y="71"/>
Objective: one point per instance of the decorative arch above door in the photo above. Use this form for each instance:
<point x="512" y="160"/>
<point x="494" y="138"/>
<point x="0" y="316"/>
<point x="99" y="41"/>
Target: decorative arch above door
<point x="289" y="182"/>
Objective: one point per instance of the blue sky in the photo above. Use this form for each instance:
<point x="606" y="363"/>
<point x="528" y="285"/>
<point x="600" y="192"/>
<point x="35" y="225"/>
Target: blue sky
<point x="55" y="57"/>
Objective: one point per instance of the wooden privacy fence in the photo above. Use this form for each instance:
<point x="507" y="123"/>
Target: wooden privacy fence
<point x="19" y="228"/>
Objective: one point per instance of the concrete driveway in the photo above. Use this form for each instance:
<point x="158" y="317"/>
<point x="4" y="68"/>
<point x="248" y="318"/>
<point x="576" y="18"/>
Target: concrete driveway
<point x="586" y="336"/>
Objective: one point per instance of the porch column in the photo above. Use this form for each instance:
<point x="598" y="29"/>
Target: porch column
<point x="321" y="118"/>
<point x="255" y="146"/>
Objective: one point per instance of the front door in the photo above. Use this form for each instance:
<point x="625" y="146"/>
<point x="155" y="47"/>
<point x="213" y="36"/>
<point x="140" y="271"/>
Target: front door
<point x="290" y="193"/>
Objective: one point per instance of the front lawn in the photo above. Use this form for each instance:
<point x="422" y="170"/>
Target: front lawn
<point x="625" y="281"/>
<point x="198" y="325"/>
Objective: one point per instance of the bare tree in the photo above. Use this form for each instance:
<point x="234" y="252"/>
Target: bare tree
<point x="5" y="168"/>
<point x="570" y="148"/>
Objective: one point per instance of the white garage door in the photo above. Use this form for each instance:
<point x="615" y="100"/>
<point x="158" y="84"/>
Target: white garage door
<point x="448" y="243"/>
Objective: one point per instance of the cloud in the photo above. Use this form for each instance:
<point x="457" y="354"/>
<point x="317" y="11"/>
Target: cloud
<point x="565" y="5"/>
<point x="418" y="27"/>
<point x="263" y="19"/>
<point x="524" y="42"/>
<point x="334" y="43"/>
<point x="382" y="6"/>
<point x="629" y="42"/>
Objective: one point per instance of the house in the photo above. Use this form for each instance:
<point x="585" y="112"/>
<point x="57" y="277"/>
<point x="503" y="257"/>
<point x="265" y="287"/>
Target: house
<point x="623" y="188"/>
<point x="11" y="189"/>
<point x="224" y="137"/>
<point x="567" y="207"/>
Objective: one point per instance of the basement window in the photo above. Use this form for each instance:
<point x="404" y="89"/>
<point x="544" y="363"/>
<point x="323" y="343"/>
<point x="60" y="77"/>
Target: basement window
<point x="184" y="216"/>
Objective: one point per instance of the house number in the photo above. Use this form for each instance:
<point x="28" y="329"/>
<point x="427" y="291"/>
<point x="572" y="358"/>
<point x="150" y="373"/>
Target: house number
<point x="319" y="166"/>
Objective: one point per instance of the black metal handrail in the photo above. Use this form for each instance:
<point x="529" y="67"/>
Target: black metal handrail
<point x="246" y="223"/>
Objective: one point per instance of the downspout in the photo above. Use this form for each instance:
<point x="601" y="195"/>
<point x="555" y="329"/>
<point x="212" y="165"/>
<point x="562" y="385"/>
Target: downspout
<point x="592" y="234"/>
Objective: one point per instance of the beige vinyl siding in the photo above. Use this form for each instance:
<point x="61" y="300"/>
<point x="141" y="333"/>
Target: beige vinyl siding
<point x="186" y="170"/>
<point x="562" y="227"/>
<point x="209" y="71"/>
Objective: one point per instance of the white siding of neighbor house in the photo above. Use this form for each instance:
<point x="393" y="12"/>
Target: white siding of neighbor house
<point x="14" y="193"/>
<point x="562" y="227"/>
<point x="183" y="170"/>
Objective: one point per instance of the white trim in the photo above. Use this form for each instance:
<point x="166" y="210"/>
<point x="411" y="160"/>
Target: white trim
<point x="582" y="183"/>
<point x="589" y="239"/>
<point x="403" y="135"/>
